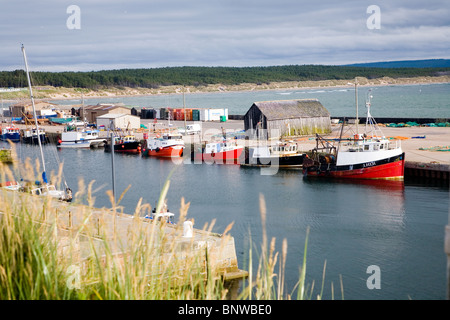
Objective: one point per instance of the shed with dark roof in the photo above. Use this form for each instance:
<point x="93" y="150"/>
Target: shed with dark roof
<point x="284" y="118"/>
<point x="93" y="111"/>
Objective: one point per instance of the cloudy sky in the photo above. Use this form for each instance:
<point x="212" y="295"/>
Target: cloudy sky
<point x="116" y="34"/>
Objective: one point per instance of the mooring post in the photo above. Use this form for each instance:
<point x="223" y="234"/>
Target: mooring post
<point x="447" y="251"/>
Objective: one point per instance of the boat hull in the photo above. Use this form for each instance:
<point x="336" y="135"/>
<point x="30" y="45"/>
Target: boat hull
<point x="14" y="137"/>
<point x="390" y="168"/>
<point x="292" y="161"/>
<point x="168" y="152"/>
<point x="229" y="156"/>
<point x="129" y="147"/>
<point x="81" y="144"/>
<point x="34" y="139"/>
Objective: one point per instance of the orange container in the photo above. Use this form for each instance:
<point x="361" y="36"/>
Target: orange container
<point x="189" y="114"/>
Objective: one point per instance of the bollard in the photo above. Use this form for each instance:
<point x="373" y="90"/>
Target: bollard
<point x="447" y="251"/>
<point x="187" y="229"/>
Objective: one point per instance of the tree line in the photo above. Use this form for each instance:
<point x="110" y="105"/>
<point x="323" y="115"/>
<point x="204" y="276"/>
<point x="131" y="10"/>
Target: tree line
<point x="198" y="76"/>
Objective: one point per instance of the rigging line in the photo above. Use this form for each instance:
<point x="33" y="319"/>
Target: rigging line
<point x="58" y="161"/>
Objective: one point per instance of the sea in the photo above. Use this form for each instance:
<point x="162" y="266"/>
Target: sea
<point x="388" y="101"/>
<point x="364" y="240"/>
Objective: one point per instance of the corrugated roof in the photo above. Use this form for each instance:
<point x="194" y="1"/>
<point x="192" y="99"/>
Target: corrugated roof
<point x="115" y="116"/>
<point x="285" y="109"/>
<point x="103" y="107"/>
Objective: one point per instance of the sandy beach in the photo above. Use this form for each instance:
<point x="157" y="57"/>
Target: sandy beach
<point x="61" y="93"/>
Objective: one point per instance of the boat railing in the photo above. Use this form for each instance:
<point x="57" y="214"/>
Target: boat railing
<point x="395" y="144"/>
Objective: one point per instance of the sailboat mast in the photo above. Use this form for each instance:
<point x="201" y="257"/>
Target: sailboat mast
<point x="356" y="102"/>
<point x="44" y="176"/>
<point x="184" y="111"/>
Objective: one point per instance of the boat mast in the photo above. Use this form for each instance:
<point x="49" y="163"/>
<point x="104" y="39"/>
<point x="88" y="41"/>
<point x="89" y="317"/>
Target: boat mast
<point x="369" y="116"/>
<point x="44" y="175"/>
<point x="184" y="111"/>
<point x="356" y="102"/>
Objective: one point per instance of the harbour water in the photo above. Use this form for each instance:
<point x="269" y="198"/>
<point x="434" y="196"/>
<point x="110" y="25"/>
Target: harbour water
<point x="352" y="225"/>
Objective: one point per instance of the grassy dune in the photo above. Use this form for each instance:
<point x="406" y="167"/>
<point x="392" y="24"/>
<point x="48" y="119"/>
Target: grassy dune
<point x="58" y="93"/>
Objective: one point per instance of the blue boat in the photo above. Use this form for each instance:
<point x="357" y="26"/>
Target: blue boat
<point x="10" y="133"/>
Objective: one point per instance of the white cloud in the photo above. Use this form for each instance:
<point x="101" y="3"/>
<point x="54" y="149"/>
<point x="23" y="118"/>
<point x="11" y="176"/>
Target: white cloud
<point x="142" y="33"/>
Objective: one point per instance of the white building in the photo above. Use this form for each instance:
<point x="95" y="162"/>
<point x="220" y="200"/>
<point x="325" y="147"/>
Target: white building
<point x="122" y="121"/>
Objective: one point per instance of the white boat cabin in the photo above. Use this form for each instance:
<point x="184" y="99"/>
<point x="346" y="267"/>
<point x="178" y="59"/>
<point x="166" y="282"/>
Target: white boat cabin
<point x="360" y="143"/>
<point x="167" y="140"/>
<point x="364" y="150"/>
<point x="275" y="150"/>
<point x="48" y="190"/>
<point x="215" y="147"/>
<point x="125" y="139"/>
<point x="80" y="135"/>
<point x="29" y="133"/>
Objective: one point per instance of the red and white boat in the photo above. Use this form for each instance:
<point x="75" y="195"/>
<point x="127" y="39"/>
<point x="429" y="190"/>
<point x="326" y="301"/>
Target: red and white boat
<point x="169" y="145"/>
<point x="225" y="151"/>
<point x="364" y="156"/>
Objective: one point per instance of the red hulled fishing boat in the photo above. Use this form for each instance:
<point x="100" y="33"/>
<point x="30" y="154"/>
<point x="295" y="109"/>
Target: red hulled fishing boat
<point x="363" y="156"/>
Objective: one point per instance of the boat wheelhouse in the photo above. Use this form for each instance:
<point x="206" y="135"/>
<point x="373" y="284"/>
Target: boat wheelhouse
<point x="81" y="139"/>
<point x="11" y="133"/>
<point x="222" y="152"/>
<point x="169" y="145"/>
<point x="30" y="136"/>
<point x="125" y="144"/>
<point x="284" y="154"/>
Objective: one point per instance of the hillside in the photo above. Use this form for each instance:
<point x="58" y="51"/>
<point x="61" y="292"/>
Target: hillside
<point x="429" y="63"/>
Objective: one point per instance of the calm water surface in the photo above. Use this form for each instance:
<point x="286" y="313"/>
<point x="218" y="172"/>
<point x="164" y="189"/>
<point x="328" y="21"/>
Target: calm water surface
<point x="421" y="101"/>
<point x="352" y="225"/>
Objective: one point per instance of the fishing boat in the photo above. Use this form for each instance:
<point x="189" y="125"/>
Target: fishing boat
<point x="167" y="217"/>
<point x="169" y="145"/>
<point x="43" y="188"/>
<point x="362" y="156"/>
<point x="163" y="214"/>
<point x="11" y="185"/>
<point x="283" y="154"/>
<point x="10" y="133"/>
<point x="125" y="144"/>
<point x="81" y="139"/>
<point x="30" y="136"/>
<point x="225" y="151"/>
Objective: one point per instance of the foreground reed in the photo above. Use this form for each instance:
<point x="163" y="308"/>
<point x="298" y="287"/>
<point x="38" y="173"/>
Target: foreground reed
<point x="46" y="254"/>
